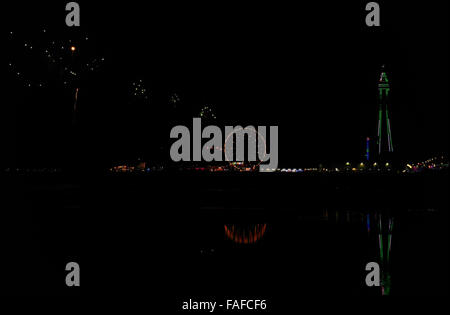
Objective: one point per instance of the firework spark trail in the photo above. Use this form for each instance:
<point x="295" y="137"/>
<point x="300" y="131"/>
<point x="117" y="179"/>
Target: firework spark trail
<point x="76" y="100"/>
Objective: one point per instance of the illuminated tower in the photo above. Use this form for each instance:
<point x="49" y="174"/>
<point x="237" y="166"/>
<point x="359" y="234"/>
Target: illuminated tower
<point x="384" y="135"/>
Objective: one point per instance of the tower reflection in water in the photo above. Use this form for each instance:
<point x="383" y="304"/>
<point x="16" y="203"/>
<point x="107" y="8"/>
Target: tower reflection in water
<point x="378" y="224"/>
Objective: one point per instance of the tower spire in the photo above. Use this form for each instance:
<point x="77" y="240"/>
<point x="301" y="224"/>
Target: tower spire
<point x="384" y="135"/>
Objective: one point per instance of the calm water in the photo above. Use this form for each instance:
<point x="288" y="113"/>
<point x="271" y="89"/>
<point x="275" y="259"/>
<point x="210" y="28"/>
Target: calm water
<point x="247" y="236"/>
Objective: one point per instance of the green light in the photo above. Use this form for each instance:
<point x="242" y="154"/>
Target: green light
<point x="389" y="247"/>
<point x="380" y="239"/>
<point x="384" y="89"/>
<point x="391" y="228"/>
<point x="381" y="247"/>
<point x="380" y="121"/>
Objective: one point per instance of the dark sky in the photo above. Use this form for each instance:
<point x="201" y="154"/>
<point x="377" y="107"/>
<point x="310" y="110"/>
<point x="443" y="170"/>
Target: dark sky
<point x="310" y="69"/>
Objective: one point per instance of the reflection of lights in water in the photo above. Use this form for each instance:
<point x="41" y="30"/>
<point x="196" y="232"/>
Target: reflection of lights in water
<point x="242" y="234"/>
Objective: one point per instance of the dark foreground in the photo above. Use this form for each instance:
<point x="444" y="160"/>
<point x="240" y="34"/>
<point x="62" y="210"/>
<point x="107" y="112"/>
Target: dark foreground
<point x="165" y="235"/>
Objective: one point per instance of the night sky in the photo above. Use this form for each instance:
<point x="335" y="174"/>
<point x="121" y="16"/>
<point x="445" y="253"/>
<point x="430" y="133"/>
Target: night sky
<point x="310" y="69"/>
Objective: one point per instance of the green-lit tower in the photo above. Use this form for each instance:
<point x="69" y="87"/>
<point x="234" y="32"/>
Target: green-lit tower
<point x="384" y="135"/>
